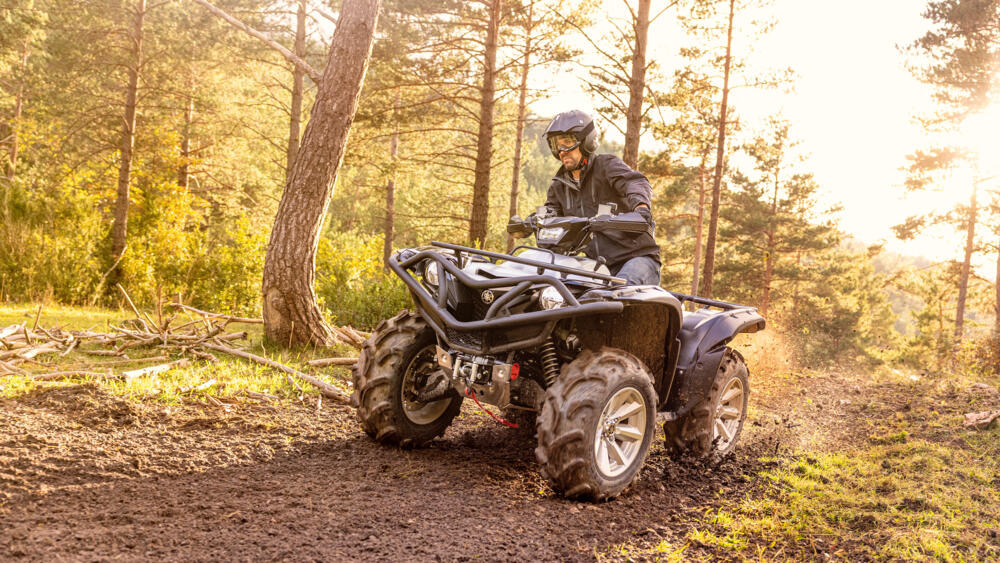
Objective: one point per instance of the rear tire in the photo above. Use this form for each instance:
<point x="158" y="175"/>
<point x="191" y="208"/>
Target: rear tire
<point x="596" y="425"/>
<point x="396" y="362"/>
<point x="715" y="425"/>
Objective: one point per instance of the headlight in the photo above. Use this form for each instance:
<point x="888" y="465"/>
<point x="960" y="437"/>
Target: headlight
<point x="550" y="233"/>
<point x="550" y="298"/>
<point x="432" y="273"/>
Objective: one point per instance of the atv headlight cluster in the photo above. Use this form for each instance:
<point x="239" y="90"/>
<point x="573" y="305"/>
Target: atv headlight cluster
<point x="550" y="298"/>
<point x="432" y="273"/>
<point x="550" y="233"/>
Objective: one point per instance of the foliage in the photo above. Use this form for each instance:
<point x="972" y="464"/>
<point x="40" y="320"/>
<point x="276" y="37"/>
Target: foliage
<point x="351" y="283"/>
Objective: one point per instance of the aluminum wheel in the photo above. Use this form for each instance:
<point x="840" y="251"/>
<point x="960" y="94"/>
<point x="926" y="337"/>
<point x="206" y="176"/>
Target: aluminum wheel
<point x="422" y="374"/>
<point x="728" y="413"/>
<point x="620" y="432"/>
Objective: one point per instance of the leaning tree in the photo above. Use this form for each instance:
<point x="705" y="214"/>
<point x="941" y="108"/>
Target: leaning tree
<point x="291" y="314"/>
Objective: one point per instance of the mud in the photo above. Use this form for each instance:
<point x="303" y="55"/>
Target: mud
<point x="85" y="475"/>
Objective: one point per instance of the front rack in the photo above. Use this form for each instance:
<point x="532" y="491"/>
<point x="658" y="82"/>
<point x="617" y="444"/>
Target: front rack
<point x="435" y="308"/>
<point x="725" y="305"/>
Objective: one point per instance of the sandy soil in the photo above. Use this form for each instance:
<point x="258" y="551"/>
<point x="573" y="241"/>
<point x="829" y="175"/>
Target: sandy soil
<point x="85" y="475"/>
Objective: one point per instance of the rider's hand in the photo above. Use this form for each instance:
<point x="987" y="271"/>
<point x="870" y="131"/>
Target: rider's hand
<point x="645" y="213"/>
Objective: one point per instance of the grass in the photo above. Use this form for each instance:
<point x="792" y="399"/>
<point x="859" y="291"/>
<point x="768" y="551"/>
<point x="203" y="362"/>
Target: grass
<point x="917" y="487"/>
<point x="232" y="375"/>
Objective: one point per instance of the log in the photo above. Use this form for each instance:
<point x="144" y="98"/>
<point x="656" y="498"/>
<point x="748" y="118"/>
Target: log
<point x="323" y="362"/>
<point x="5" y="332"/>
<point x="325" y="388"/>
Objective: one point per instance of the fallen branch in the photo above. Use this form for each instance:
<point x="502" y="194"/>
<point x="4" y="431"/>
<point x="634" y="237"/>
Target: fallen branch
<point x="229" y="318"/>
<point x="73" y="373"/>
<point x="130" y="375"/>
<point x="324" y="388"/>
<point x="323" y="362"/>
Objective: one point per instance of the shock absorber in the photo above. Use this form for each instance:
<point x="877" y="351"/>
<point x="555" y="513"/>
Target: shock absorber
<point x="550" y="361"/>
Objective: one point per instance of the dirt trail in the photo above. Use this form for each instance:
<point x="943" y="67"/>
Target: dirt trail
<point x="89" y="476"/>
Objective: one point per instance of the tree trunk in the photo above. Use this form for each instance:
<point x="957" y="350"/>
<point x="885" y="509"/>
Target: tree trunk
<point x="119" y="229"/>
<point x="699" y="226"/>
<point x="390" y="193"/>
<point x="15" y="128"/>
<point x="522" y="110"/>
<point x="298" y="86"/>
<point x="996" y="315"/>
<point x="765" y="300"/>
<point x="713" y="221"/>
<point x="484" y="147"/>
<point x="183" y="178"/>
<point x="291" y="315"/>
<point x="963" y="282"/>
<point x="636" y="87"/>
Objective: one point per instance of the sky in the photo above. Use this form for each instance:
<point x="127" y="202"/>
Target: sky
<point x="853" y="107"/>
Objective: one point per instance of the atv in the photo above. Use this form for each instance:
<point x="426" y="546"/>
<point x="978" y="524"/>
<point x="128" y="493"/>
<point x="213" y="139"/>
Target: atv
<point x="547" y="330"/>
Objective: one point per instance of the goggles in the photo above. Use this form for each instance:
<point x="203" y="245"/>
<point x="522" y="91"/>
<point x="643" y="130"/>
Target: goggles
<point x="561" y="143"/>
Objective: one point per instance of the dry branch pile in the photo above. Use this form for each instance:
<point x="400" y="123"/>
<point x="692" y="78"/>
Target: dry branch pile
<point x="196" y="338"/>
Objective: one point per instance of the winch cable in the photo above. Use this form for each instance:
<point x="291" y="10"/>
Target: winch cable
<point x="499" y="419"/>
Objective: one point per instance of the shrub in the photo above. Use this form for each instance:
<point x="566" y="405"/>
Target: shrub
<point x="352" y="284"/>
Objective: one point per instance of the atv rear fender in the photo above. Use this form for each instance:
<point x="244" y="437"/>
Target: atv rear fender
<point x="703" y="337"/>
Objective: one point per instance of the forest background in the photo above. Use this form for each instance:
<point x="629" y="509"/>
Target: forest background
<point x="147" y="144"/>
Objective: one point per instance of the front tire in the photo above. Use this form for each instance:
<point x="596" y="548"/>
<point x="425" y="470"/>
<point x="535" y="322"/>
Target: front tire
<point x="396" y="363"/>
<point x="596" y="425"/>
<point x="715" y="425"/>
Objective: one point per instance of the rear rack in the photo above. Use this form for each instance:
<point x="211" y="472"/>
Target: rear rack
<point x="435" y="308"/>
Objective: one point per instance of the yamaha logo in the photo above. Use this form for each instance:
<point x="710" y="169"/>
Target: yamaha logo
<point x="487" y="296"/>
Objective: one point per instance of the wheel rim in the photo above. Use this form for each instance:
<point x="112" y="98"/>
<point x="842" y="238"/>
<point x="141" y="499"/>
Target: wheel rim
<point x="621" y="430"/>
<point x="418" y="374"/>
<point x="728" y="414"/>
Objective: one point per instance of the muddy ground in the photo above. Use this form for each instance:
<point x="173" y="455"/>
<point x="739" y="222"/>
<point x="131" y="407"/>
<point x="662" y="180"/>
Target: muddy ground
<point x="85" y="475"/>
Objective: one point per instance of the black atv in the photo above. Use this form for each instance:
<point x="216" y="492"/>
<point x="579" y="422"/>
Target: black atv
<point x="546" y="330"/>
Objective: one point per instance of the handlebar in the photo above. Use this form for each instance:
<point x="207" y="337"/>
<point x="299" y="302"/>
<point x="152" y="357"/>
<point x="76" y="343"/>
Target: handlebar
<point x="630" y="222"/>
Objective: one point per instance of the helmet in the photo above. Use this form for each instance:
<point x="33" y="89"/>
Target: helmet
<point x="573" y="122"/>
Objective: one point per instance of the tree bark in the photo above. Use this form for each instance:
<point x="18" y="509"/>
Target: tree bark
<point x="636" y="87"/>
<point x="699" y="226"/>
<point x="119" y="229"/>
<point x="390" y="193"/>
<point x="522" y="110"/>
<point x="963" y="282"/>
<point x="484" y="147"/>
<point x="996" y="315"/>
<point x="291" y="314"/>
<point x="15" y="130"/>
<point x="298" y="86"/>
<point x="713" y="222"/>
<point x="183" y="174"/>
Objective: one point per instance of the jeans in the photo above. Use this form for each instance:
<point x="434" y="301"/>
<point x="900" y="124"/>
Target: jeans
<point x="641" y="270"/>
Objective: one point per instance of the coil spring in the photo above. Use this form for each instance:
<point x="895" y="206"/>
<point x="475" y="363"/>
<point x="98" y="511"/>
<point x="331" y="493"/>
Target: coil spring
<point x="550" y="361"/>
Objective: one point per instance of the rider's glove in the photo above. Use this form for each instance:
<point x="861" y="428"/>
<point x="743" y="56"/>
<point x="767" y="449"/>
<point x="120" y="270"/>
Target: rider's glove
<point x="646" y="214"/>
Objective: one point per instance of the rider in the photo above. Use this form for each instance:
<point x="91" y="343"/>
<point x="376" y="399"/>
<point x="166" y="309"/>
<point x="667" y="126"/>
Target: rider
<point x="586" y="180"/>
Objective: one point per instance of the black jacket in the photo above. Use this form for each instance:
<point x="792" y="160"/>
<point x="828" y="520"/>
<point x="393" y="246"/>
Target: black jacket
<point x="605" y="179"/>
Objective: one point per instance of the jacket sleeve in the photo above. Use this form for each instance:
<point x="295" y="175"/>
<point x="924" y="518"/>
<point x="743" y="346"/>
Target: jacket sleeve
<point x="630" y="184"/>
<point x="552" y="200"/>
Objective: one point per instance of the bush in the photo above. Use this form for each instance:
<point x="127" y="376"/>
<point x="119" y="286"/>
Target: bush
<point x="352" y="284"/>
